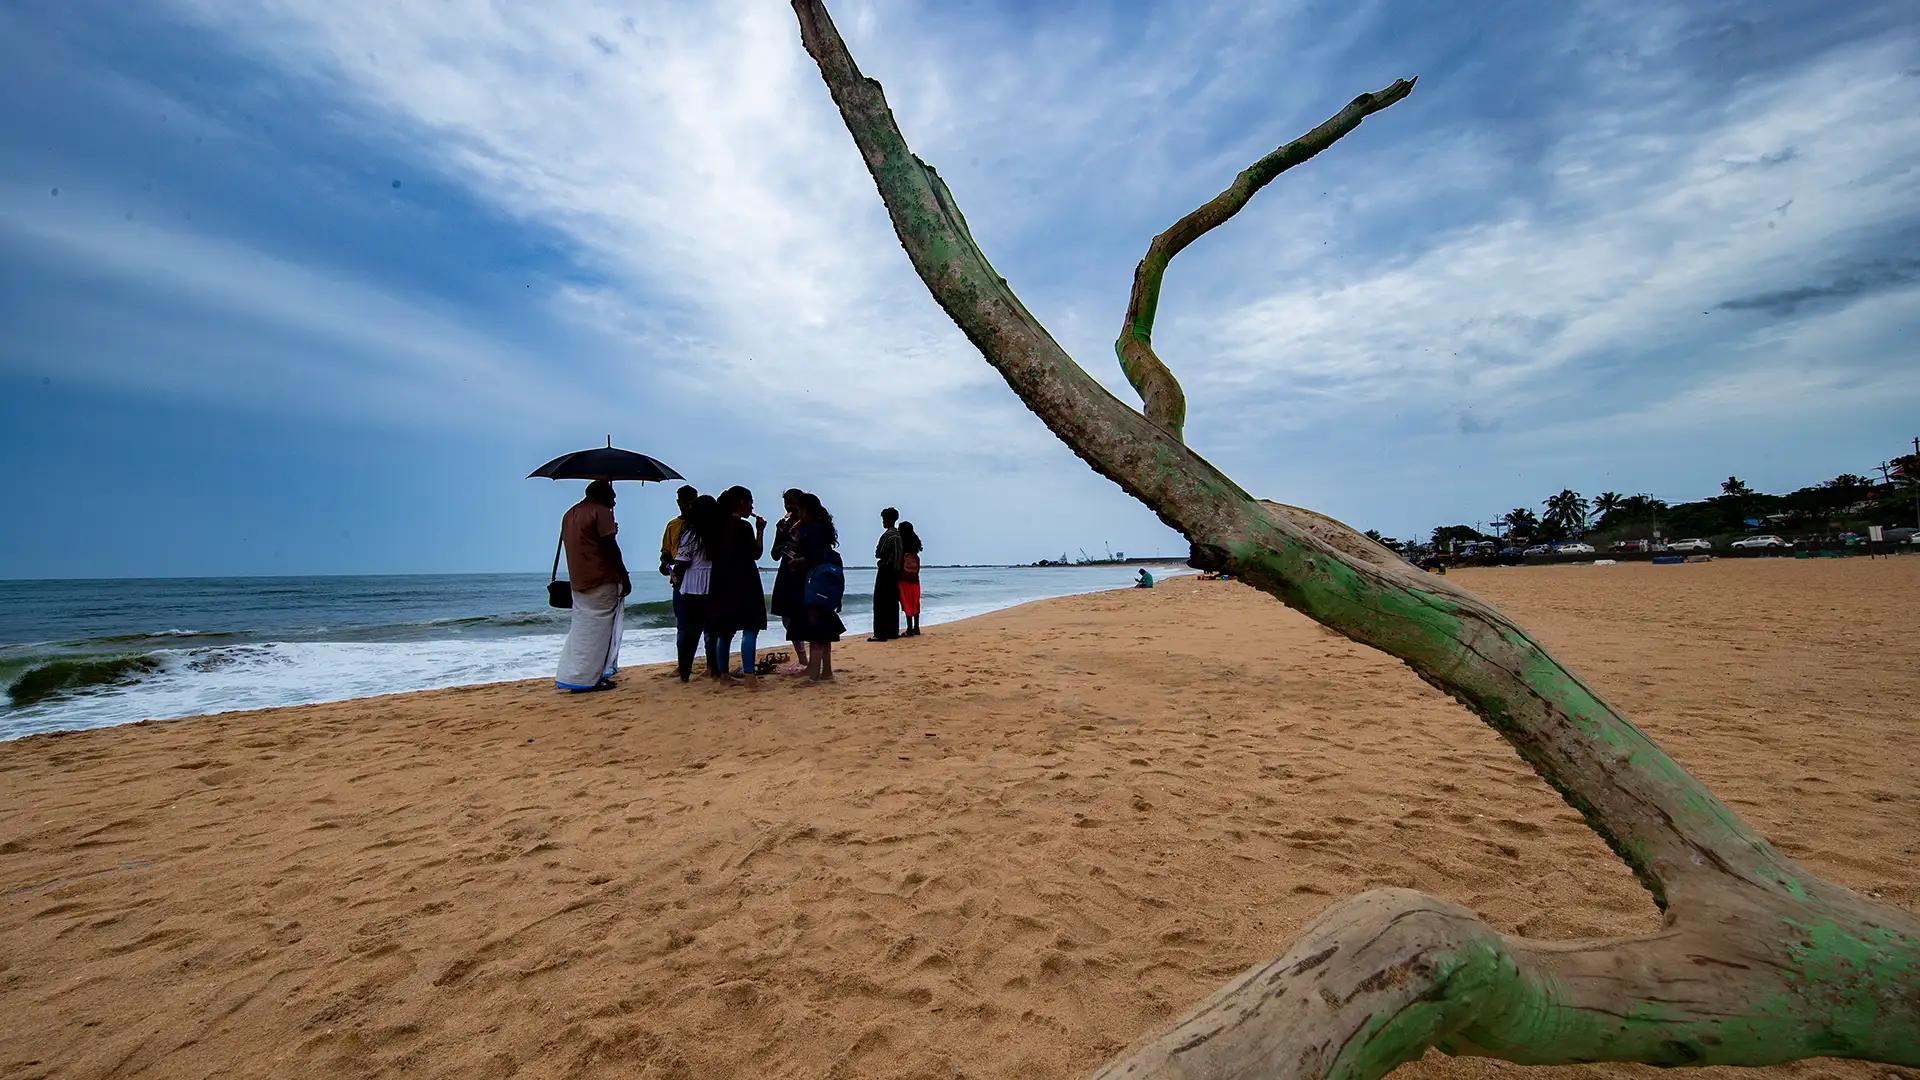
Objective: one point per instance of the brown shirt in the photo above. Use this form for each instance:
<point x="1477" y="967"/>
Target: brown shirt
<point x="580" y="531"/>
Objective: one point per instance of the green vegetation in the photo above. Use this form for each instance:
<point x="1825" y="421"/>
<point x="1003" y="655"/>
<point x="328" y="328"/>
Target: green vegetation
<point x="1848" y="503"/>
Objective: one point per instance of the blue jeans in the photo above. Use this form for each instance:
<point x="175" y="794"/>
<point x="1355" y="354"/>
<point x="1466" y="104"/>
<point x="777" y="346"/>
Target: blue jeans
<point x="721" y="645"/>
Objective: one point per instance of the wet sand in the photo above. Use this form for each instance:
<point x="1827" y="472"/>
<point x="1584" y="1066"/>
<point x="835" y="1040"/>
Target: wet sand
<point x="1007" y="848"/>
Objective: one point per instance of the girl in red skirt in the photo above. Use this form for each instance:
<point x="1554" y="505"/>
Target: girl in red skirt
<point x="910" y="578"/>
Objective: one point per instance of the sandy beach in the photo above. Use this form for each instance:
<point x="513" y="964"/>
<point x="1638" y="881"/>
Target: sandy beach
<point x="1005" y="849"/>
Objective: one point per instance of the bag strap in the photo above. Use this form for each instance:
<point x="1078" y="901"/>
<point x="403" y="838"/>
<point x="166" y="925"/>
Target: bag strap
<point x="556" y="558"/>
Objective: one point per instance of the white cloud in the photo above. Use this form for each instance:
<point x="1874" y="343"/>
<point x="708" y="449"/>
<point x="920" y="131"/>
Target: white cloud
<point x="692" y="162"/>
<point x="1647" y="222"/>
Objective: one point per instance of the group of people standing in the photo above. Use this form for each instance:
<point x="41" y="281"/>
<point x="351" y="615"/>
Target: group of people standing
<point x="896" y="579"/>
<point x="710" y="555"/>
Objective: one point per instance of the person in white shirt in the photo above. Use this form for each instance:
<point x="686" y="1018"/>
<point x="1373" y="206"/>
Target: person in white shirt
<point x="693" y="563"/>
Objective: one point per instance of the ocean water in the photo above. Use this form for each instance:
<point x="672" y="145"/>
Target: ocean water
<point x="83" y="654"/>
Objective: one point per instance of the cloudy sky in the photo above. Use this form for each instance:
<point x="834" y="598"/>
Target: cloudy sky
<point x="303" y="286"/>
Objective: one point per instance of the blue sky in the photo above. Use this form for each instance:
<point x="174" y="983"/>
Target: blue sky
<point x="302" y="287"/>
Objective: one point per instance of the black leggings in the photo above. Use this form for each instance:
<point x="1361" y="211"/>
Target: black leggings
<point x="693" y="621"/>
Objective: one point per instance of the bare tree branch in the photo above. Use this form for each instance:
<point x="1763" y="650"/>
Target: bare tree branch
<point x="1803" y="967"/>
<point x="1165" y="403"/>
<point x="1376" y="980"/>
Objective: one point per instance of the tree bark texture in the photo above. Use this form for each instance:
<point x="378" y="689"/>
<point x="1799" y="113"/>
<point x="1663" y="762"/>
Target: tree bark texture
<point x="1759" y="961"/>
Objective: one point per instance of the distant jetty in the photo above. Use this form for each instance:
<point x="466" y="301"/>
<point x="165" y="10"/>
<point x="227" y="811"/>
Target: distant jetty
<point x="1118" y="558"/>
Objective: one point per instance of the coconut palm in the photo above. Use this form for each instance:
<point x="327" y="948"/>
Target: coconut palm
<point x="1566" y="512"/>
<point x="1606" y="503"/>
<point x="1521" y="522"/>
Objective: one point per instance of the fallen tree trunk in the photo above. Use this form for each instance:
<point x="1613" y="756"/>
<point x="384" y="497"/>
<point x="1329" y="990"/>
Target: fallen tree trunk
<point x="1759" y="961"/>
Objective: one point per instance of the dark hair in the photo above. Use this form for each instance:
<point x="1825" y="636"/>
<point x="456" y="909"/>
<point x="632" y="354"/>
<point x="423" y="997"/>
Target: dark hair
<point x="889" y="515"/>
<point x="600" y="491"/>
<point x="794" y="495"/>
<point x="703" y="524"/>
<point x="733" y="498"/>
<point x="909" y="540"/>
<point x="818" y="515"/>
<point x="685" y="495"/>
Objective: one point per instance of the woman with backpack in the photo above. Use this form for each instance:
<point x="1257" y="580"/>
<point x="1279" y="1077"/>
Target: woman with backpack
<point x="814" y="540"/>
<point x="910" y="578"/>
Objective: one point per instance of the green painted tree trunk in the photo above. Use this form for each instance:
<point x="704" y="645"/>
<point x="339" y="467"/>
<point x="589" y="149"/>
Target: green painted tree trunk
<point x="1759" y="961"/>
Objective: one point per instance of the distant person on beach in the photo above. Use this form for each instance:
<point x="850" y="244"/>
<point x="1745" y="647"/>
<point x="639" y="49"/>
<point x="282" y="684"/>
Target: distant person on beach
<point x="815" y="538"/>
<point x="1144" y="581"/>
<point x="910" y="577"/>
<point x="886" y="579"/>
<point x="693" y="566"/>
<point x="789" y="583"/>
<point x="599" y="579"/>
<point x="736" y="603"/>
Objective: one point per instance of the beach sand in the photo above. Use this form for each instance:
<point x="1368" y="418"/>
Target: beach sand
<point x="1007" y="848"/>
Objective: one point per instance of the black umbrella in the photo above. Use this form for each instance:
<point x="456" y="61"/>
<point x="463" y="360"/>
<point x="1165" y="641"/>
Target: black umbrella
<point x="607" y="462"/>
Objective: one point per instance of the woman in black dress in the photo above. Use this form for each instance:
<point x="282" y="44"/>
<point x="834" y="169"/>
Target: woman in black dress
<point x="790" y="582"/>
<point x="824" y="585"/>
<point x="737" y="603"/>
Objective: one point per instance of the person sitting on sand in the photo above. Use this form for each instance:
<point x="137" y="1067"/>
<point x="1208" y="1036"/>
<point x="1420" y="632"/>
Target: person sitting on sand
<point x="910" y="578"/>
<point x="693" y="563"/>
<point x="1144" y="581"/>
<point x="736" y="602"/>
<point x="599" y="580"/>
<point x="815" y="539"/>
<point x="790" y="581"/>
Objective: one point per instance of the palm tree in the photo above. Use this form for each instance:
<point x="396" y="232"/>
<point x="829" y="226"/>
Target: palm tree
<point x="1566" y="512"/>
<point x="1521" y="522"/>
<point x="1606" y="503"/>
<point x="1735" y="487"/>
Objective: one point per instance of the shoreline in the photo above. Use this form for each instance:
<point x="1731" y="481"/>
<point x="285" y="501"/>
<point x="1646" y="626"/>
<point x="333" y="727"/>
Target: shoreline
<point x="1006" y="849"/>
<point x="854" y="640"/>
<point x="81" y="683"/>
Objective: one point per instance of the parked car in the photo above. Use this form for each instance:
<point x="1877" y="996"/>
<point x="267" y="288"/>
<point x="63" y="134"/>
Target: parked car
<point x="1575" y="548"/>
<point x="1692" y="544"/>
<point x="1632" y="545"/>
<point x="1902" y="535"/>
<point x="1538" y="549"/>
<point x="1510" y="551"/>
<point x="1749" y="542"/>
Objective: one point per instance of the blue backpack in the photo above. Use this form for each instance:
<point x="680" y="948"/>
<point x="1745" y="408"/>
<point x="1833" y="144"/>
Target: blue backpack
<point x="826" y="584"/>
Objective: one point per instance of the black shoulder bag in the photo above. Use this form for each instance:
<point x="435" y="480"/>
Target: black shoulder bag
<point x="559" y="593"/>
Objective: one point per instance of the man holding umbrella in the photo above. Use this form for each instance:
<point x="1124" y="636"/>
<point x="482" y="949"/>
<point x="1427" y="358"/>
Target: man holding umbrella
<point x="600" y="583"/>
<point x="597" y="579"/>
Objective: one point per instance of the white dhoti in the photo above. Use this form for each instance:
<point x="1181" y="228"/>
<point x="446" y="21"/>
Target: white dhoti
<point x="592" y="651"/>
